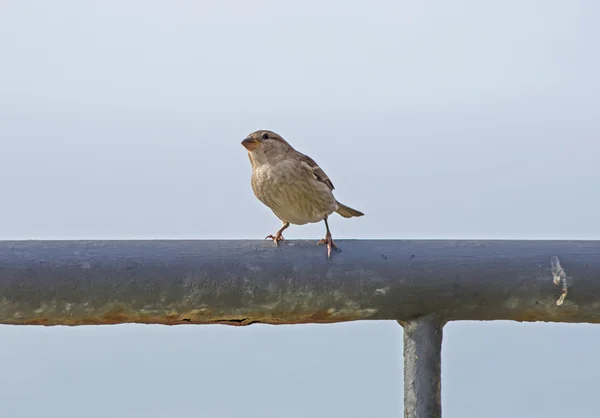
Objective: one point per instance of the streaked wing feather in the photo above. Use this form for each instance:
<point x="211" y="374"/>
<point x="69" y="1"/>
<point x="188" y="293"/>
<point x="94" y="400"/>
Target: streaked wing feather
<point x="317" y="171"/>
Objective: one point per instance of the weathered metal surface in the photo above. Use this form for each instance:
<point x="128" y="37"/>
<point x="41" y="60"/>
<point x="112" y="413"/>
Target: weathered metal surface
<point x="423" y="367"/>
<point x="244" y="282"/>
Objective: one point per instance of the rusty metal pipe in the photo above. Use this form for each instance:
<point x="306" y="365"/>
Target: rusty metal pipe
<point x="244" y="282"/>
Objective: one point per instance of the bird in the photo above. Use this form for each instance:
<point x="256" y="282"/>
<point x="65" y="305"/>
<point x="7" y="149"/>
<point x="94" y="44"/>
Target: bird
<point x="292" y="185"/>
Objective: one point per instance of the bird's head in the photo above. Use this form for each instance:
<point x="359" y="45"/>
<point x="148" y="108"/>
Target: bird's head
<point x="264" y="146"/>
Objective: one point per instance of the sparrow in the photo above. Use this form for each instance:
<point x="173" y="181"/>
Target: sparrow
<point x="292" y="185"/>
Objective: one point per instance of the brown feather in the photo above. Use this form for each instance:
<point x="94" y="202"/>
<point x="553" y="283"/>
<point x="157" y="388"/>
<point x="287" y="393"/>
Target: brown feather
<point x="317" y="171"/>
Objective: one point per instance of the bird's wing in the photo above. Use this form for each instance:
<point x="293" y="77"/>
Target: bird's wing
<point x="317" y="172"/>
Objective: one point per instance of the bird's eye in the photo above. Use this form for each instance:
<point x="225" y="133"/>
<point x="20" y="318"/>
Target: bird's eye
<point x="265" y="136"/>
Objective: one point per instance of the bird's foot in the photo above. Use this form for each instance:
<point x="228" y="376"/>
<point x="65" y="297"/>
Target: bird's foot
<point x="330" y="245"/>
<point x="276" y="238"/>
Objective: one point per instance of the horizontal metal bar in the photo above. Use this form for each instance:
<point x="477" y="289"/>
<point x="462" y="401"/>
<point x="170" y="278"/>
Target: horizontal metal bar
<point x="243" y="282"/>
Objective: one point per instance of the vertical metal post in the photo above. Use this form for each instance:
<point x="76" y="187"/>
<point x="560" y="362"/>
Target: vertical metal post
<point x="422" y="367"/>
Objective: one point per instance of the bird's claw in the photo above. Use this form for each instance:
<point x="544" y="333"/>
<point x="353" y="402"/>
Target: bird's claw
<point x="330" y="245"/>
<point x="276" y="238"/>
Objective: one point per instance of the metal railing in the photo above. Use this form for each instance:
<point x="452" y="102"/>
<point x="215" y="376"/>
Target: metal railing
<point x="421" y="284"/>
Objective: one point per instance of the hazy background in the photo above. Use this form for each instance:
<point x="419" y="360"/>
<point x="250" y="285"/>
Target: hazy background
<point x="463" y="119"/>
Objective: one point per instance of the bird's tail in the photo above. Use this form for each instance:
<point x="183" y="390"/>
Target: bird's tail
<point x="347" y="212"/>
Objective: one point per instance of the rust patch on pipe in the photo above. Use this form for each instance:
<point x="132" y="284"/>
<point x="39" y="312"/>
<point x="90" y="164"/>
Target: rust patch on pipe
<point x="535" y="315"/>
<point x="119" y="314"/>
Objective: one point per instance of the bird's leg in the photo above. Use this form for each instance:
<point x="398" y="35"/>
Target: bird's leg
<point x="278" y="235"/>
<point x="328" y="240"/>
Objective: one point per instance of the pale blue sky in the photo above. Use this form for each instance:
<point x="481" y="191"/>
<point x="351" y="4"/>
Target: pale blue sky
<point x="463" y="119"/>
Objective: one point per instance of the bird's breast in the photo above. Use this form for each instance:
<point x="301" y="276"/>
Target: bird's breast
<point x="292" y="192"/>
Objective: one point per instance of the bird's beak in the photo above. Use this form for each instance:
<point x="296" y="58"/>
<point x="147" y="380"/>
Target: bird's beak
<point x="250" y="143"/>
